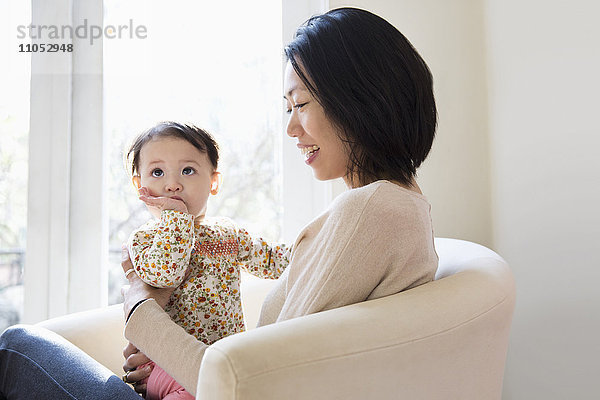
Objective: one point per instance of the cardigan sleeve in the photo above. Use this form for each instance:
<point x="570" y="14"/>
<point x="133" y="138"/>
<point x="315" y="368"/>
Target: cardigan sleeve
<point x="167" y="344"/>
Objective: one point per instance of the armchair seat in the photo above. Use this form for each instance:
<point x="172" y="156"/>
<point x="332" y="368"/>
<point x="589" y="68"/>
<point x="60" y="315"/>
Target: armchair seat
<point x="446" y="339"/>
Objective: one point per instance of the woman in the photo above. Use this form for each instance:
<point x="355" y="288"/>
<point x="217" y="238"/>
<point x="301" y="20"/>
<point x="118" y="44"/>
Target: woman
<point x="361" y="107"/>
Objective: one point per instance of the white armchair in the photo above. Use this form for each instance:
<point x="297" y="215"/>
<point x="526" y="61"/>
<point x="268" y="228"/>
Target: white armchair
<point x="446" y="339"/>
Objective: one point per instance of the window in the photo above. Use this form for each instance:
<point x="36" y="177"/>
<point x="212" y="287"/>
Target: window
<point x="202" y="64"/>
<point x="15" y="74"/>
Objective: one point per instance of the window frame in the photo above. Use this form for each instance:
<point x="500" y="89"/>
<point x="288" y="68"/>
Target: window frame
<point x="67" y="228"/>
<point x="302" y="195"/>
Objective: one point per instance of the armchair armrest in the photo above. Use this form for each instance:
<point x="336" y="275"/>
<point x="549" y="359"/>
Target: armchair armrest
<point x="98" y="332"/>
<point x="445" y="339"/>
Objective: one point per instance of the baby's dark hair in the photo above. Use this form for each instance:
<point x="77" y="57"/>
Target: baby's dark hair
<point x="199" y="138"/>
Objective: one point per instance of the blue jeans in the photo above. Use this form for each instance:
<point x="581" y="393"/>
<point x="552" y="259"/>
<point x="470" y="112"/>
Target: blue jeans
<point x="36" y="363"/>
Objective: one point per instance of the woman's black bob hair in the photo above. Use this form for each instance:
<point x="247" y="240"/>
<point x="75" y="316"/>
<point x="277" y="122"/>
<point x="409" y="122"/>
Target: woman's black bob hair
<point x="199" y="138"/>
<point x="373" y="86"/>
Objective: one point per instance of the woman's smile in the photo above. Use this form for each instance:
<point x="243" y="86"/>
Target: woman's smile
<point x="318" y="139"/>
<point x="309" y="152"/>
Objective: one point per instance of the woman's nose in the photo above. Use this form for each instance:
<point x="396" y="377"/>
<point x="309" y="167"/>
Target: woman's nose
<point x="294" y="128"/>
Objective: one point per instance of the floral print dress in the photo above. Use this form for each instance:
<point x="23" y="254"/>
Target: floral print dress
<point x="203" y="261"/>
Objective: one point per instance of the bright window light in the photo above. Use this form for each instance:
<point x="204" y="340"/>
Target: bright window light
<point x="213" y="64"/>
<point x="15" y="74"/>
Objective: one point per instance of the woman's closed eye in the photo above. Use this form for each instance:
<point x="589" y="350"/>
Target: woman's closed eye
<point x="157" y="173"/>
<point x="296" y="106"/>
<point x="188" y="171"/>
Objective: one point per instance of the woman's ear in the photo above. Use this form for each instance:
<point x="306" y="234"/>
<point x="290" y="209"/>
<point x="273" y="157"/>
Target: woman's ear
<point x="215" y="182"/>
<point x="137" y="182"/>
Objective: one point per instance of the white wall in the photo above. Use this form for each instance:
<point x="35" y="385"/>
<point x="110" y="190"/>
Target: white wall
<point x="545" y="140"/>
<point x="523" y="177"/>
<point x="449" y="35"/>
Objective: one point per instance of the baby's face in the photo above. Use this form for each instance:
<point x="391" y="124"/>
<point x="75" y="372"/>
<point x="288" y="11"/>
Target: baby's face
<point x="173" y="167"/>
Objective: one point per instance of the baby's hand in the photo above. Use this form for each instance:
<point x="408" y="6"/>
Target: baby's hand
<point x="161" y="203"/>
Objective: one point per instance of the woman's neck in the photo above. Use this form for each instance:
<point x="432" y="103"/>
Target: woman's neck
<point x="413" y="186"/>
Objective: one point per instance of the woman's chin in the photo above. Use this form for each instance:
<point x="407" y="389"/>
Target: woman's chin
<point x="320" y="175"/>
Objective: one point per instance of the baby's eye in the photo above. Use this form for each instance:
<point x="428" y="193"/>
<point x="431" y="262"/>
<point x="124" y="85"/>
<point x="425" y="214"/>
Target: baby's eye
<point x="188" y="171"/>
<point x="157" y="173"/>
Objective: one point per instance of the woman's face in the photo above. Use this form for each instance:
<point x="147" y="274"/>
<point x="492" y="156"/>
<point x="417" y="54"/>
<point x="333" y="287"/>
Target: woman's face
<point x="317" y="138"/>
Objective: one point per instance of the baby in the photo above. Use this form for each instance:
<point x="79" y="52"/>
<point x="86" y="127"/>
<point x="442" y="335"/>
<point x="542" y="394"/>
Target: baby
<point x="174" y="168"/>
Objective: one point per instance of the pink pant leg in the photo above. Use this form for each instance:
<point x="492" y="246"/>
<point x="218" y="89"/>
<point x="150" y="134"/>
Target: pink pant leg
<point x="161" y="386"/>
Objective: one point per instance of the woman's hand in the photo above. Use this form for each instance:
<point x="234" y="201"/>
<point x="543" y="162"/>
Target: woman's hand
<point x="161" y="203"/>
<point x="138" y="290"/>
<point x="133" y="359"/>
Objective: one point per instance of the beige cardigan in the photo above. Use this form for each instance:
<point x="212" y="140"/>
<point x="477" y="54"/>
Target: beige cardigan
<point x="372" y="242"/>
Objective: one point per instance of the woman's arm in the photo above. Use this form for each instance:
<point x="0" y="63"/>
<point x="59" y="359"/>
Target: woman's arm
<point x="167" y="344"/>
<point x="150" y="329"/>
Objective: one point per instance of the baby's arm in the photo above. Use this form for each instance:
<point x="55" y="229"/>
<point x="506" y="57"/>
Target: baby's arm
<point x="161" y="252"/>
<point x="260" y="258"/>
